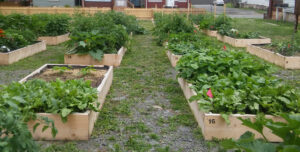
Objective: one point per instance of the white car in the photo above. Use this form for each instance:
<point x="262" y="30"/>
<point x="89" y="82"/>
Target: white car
<point x="219" y="2"/>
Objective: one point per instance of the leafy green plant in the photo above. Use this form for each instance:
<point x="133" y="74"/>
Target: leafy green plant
<point x="287" y="48"/>
<point x="288" y="131"/>
<point x="119" y="18"/>
<point x="58" y="97"/>
<point x="60" y="69"/>
<point x="98" y="42"/>
<point x="227" y="30"/>
<point x="238" y="85"/>
<point x="209" y="22"/>
<point x="171" y="24"/>
<point x="13" y="39"/>
<point x="58" y="24"/>
<point x="14" y="134"/>
<point x="87" y="70"/>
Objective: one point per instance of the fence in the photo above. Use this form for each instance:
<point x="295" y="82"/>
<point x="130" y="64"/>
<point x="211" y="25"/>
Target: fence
<point x="141" y="13"/>
<point x="50" y="10"/>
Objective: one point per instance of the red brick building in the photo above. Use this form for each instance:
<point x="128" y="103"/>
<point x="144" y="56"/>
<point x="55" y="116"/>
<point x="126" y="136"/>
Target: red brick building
<point x="98" y="3"/>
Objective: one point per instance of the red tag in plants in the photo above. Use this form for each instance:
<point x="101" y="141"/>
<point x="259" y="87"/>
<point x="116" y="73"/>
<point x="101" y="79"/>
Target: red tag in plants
<point x="209" y="93"/>
<point x="2" y="33"/>
<point x="224" y="47"/>
<point x="289" y="45"/>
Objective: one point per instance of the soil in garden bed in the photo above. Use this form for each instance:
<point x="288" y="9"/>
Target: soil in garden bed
<point x="95" y="76"/>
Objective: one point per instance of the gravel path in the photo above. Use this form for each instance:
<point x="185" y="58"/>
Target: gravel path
<point x="145" y="109"/>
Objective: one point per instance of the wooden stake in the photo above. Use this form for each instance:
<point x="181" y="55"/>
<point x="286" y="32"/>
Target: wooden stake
<point x="215" y="11"/>
<point x="296" y="23"/>
<point x="224" y="10"/>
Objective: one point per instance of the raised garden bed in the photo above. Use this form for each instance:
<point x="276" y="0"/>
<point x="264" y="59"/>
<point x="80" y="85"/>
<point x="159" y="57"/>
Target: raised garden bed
<point x="79" y="125"/>
<point x="16" y="55"/>
<point x="54" y="40"/>
<point x="242" y="42"/>
<point x="287" y="62"/>
<point x="85" y="59"/>
<point x="214" y="126"/>
<point x="210" y="33"/>
<point x="173" y="58"/>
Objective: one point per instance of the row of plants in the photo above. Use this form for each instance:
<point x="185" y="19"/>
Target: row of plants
<point x="229" y="82"/>
<point x="22" y="101"/>
<point x="93" y="34"/>
<point x="170" y="24"/>
<point x="240" y="83"/>
<point x="102" y="33"/>
<point x="225" y="26"/>
<point x="19" y="30"/>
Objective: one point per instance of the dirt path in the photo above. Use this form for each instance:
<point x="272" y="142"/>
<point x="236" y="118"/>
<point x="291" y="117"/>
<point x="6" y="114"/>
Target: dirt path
<point x="145" y="109"/>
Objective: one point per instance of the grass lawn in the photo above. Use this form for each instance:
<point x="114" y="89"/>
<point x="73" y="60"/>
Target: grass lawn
<point x="229" y="5"/>
<point x="277" y="31"/>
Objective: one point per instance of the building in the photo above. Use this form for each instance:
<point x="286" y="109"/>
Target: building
<point x="167" y="3"/>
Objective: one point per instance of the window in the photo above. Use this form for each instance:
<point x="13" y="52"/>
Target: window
<point x="98" y="0"/>
<point x="154" y="0"/>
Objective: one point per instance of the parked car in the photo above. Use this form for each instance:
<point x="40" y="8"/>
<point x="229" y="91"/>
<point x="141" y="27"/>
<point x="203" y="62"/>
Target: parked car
<point x="219" y="2"/>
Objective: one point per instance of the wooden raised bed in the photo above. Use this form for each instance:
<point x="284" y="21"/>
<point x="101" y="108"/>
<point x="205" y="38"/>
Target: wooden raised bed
<point x="173" y="58"/>
<point x="210" y="33"/>
<point x="85" y="59"/>
<point x="292" y="62"/>
<point x="16" y="55"/>
<point x="242" y="42"/>
<point x="79" y="125"/>
<point x="214" y="126"/>
<point x="54" y="40"/>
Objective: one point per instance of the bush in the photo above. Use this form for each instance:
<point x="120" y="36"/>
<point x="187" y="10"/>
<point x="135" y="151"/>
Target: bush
<point x="98" y="42"/>
<point x="13" y="39"/>
<point x="171" y="24"/>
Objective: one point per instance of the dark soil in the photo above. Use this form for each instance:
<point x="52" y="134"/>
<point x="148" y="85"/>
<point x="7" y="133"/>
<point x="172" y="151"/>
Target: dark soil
<point x="96" y="76"/>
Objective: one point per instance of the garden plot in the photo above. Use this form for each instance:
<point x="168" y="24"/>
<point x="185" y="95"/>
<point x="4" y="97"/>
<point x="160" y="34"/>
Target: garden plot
<point x="86" y="59"/>
<point x="55" y="40"/>
<point x="173" y="58"/>
<point x="79" y="125"/>
<point x="240" y="42"/>
<point x="21" y="53"/>
<point x="210" y="33"/>
<point x="214" y="126"/>
<point x="287" y="62"/>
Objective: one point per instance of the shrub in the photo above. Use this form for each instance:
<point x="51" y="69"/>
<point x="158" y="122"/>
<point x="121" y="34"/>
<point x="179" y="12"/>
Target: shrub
<point x="171" y="24"/>
<point x="13" y="39"/>
<point x="98" y="42"/>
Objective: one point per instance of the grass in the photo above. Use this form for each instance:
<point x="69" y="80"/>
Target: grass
<point x="276" y="30"/>
<point x="229" y="5"/>
<point x="53" y="54"/>
<point x="18" y="70"/>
